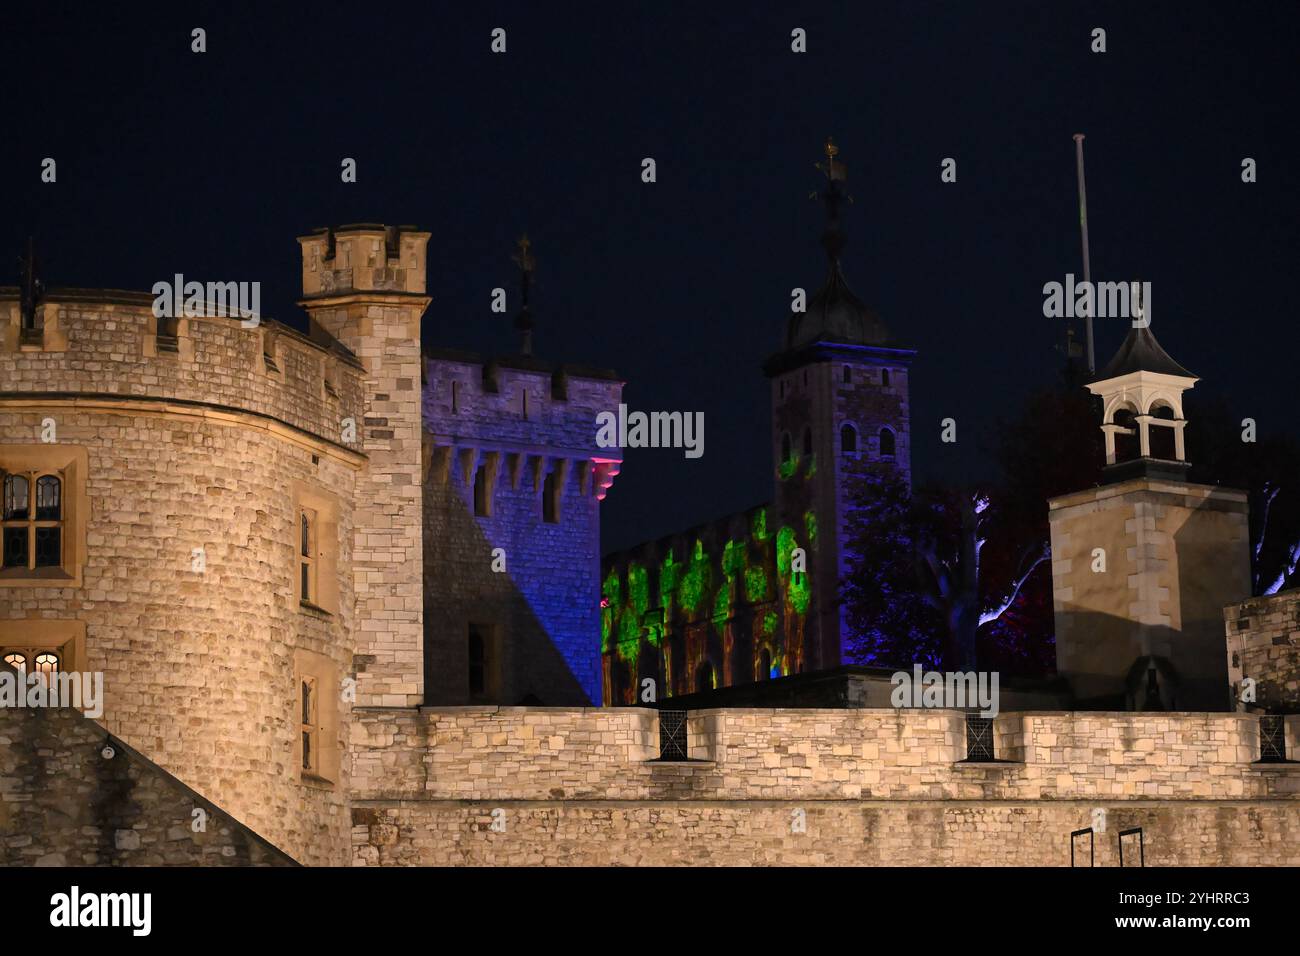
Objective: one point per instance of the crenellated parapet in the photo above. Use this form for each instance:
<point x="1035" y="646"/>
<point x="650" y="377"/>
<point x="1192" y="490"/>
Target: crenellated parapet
<point x="521" y="417"/>
<point x="108" y="345"/>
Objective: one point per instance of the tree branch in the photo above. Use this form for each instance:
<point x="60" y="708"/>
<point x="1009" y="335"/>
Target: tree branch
<point x="993" y="614"/>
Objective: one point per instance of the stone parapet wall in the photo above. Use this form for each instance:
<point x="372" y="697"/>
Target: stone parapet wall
<point x="872" y="787"/>
<point x="103" y="343"/>
<point x="556" y="753"/>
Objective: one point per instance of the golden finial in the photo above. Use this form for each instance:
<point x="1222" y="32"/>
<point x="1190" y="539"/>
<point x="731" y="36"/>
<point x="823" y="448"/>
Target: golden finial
<point x="832" y="168"/>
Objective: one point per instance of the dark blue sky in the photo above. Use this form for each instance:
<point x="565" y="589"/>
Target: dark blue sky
<point x="212" y="164"/>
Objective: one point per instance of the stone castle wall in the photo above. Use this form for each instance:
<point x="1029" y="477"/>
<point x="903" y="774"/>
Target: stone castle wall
<point x="874" y="787"/>
<point x="190" y="452"/>
<point x="1264" y="643"/>
<point x="537" y="609"/>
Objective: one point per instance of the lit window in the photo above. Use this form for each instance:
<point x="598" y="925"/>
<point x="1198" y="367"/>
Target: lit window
<point x="15" y="660"/>
<point x="47" y="663"/>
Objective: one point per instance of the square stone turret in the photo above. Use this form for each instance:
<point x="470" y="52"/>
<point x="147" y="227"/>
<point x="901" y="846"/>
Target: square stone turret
<point x="364" y="285"/>
<point x="1143" y="565"/>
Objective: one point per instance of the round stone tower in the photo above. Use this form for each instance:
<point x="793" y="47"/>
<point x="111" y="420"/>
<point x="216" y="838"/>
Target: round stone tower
<point x="179" y="479"/>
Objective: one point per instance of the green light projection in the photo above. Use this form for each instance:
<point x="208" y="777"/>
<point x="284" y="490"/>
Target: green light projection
<point x="631" y="614"/>
<point x="695" y="580"/>
<point x="638" y="588"/>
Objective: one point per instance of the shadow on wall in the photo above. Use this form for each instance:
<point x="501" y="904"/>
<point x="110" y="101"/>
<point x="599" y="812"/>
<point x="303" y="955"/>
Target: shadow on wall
<point x="1113" y="663"/>
<point x="76" y="796"/>
<point x="484" y="642"/>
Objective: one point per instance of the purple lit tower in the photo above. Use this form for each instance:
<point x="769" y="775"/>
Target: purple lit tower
<point x="839" y="407"/>
<point x="512" y="523"/>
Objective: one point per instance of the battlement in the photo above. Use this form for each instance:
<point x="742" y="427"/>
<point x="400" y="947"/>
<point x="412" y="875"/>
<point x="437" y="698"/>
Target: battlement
<point x="91" y="343"/>
<point x="845" y="787"/>
<point x="522" y="408"/>
<point x="364" y="257"/>
<point x="525" y="753"/>
<point x="517" y="400"/>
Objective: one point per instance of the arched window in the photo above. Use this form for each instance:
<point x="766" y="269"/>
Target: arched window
<point x="33" y="529"/>
<point x="306" y="555"/>
<point x="1160" y="438"/>
<point x="481" y="499"/>
<point x="786" y="450"/>
<point x="308" y="726"/>
<point x="1127" y="443"/>
<point x="46" y="662"/>
<point x="807" y="441"/>
<point x="887" y="445"/>
<point x="848" y="439"/>
<point x="704" y="677"/>
<point x="16" y="660"/>
<point x="550" y="499"/>
<point x="765" y="664"/>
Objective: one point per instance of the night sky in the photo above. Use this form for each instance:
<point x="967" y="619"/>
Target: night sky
<point x="211" y="165"/>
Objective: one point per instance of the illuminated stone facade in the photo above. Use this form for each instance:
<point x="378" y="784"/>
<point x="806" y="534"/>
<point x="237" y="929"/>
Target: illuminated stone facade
<point x="252" y="520"/>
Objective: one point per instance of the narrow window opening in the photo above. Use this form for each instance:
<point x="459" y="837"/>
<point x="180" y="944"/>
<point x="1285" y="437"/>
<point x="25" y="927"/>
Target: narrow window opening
<point x="481" y="497"/>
